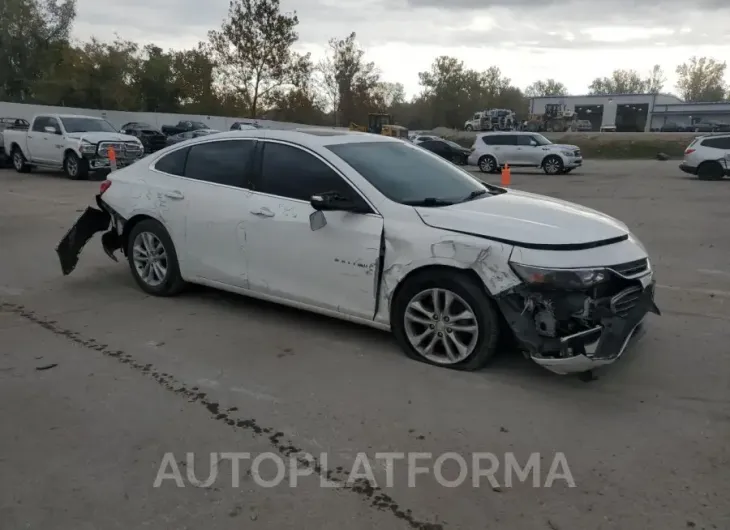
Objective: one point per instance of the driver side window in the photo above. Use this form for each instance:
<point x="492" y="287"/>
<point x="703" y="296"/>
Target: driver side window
<point x="523" y="139"/>
<point x="291" y="172"/>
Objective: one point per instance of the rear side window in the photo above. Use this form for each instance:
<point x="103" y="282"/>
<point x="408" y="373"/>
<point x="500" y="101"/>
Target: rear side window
<point x="173" y="163"/>
<point x="498" y="139"/>
<point x="717" y="143"/>
<point x="224" y="162"/>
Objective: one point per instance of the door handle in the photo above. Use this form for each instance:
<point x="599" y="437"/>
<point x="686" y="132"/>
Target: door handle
<point x="263" y="212"/>
<point x="29" y="136"/>
<point x="174" y="194"/>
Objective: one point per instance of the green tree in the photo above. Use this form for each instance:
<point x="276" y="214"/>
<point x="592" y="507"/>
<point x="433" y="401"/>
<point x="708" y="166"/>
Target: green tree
<point x="154" y="81"/>
<point x="549" y="87"/>
<point x="253" y="51"/>
<point x="33" y="38"/>
<point x="620" y="82"/>
<point x="702" y="79"/>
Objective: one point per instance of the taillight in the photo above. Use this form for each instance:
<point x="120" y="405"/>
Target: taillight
<point x="104" y="186"/>
<point x="689" y="151"/>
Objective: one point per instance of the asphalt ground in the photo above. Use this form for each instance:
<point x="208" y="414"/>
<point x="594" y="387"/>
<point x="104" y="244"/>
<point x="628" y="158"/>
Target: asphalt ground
<point x="99" y="382"/>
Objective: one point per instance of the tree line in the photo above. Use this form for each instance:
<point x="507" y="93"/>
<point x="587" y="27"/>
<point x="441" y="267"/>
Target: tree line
<point x="249" y="68"/>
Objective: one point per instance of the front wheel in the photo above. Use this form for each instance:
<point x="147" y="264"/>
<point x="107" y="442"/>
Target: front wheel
<point x="75" y="168"/>
<point x="468" y="128"/>
<point x="153" y="259"/>
<point x="446" y="319"/>
<point x="552" y="165"/>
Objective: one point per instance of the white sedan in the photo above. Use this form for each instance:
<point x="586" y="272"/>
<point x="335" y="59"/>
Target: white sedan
<point x="380" y="232"/>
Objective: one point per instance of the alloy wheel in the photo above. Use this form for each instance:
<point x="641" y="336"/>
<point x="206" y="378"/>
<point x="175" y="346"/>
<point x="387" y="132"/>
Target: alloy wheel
<point x="150" y="258"/>
<point x="441" y="326"/>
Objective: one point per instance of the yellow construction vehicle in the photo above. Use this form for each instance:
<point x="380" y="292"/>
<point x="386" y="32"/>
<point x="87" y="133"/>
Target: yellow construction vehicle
<point x="379" y="123"/>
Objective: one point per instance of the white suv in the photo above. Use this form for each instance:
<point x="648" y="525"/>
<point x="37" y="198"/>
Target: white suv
<point x="493" y="150"/>
<point x="708" y="157"/>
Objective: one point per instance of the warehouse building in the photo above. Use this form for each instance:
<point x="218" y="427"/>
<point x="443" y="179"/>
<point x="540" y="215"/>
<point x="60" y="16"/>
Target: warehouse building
<point x="636" y="112"/>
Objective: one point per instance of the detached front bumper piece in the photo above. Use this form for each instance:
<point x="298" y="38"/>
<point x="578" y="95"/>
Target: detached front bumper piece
<point x="605" y="343"/>
<point x="93" y="220"/>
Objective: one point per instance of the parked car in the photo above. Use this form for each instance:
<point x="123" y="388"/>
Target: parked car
<point x="448" y="150"/>
<point x="152" y="139"/>
<point x="9" y="123"/>
<point x="244" y="126"/>
<point x="708" y="157"/>
<point x="183" y="126"/>
<point x="711" y="126"/>
<point x="425" y="138"/>
<point x="78" y="145"/>
<point x="583" y="125"/>
<point x="384" y="233"/>
<point x="177" y="138"/>
<point x="493" y="150"/>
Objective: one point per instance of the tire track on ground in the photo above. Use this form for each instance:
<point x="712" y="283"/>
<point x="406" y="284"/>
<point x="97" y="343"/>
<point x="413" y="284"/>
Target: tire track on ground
<point x="374" y="495"/>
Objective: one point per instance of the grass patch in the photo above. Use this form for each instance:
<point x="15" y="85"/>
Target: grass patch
<point x="615" y="146"/>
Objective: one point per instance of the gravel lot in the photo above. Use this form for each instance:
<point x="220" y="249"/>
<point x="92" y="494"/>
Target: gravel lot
<point x="132" y="378"/>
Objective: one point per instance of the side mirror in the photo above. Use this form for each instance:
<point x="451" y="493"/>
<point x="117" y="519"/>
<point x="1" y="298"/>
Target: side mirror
<point x="533" y="143"/>
<point x="332" y="201"/>
<point x="51" y="130"/>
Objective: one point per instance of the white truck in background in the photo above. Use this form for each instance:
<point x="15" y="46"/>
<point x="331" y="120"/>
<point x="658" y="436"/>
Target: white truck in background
<point x="78" y="145"/>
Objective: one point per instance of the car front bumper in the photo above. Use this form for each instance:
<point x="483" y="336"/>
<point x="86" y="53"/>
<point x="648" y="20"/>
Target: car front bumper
<point x="603" y="344"/>
<point x="572" y="163"/>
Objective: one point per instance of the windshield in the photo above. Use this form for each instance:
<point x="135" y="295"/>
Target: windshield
<point x="77" y="125"/>
<point x="541" y="140"/>
<point x="407" y="174"/>
<point x="453" y="144"/>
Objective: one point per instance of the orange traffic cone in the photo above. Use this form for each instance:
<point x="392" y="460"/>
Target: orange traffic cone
<point x="506" y="175"/>
<point x="112" y="154"/>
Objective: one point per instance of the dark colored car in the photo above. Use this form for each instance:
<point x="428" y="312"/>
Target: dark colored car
<point x="181" y="137"/>
<point x="243" y="125"/>
<point x="183" y="126"/>
<point x="447" y="149"/>
<point x="152" y="139"/>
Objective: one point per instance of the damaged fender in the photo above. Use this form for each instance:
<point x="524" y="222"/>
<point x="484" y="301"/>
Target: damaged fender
<point x="93" y="220"/>
<point x="404" y="254"/>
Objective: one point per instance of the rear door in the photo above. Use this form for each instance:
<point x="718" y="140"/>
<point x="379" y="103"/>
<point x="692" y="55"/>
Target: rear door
<point x="718" y="149"/>
<point x="218" y="174"/>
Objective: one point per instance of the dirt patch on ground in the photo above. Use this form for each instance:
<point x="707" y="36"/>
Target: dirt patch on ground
<point x="603" y="145"/>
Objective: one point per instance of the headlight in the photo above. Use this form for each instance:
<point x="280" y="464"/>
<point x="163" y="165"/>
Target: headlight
<point x="569" y="154"/>
<point x="569" y="279"/>
<point x="87" y="148"/>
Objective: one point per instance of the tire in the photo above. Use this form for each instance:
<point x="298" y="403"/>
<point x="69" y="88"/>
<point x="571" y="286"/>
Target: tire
<point x="710" y="171"/>
<point x="20" y="163"/>
<point x="552" y="165"/>
<point x="75" y="168"/>
<point x="487" y="164"/>
<point x="467" y="293"/>
<point x="468" y="128"/>
<point x="171" y="282"/>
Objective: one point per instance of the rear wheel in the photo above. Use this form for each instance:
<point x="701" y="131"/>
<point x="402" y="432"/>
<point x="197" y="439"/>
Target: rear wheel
<point x="487" y="164"/>
<point x="445" y="319"/>
<point x="153" y="259"/>
<point x="710" y="171"/>
<point x="19" y="161"/>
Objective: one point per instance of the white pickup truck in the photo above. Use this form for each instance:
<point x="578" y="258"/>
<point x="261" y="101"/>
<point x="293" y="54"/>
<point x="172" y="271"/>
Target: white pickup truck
<point x="77" y="144"/>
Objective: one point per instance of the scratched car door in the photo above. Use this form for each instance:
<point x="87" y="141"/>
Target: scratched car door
<point x="330" y="266"/>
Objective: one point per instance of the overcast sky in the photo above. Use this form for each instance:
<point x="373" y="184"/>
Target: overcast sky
<point x="573" y="42"/>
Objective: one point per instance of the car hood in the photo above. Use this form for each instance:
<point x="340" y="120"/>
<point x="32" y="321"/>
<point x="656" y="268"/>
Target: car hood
<point x="96" y="137"/>
<point x="526" y="219"/>
<point x="564" y="147"/>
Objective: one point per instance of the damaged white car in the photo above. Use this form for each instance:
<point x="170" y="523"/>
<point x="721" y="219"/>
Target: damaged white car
<point x="380" y="232"/>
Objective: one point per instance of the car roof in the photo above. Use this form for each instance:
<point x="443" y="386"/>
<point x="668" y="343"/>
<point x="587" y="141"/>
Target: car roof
<point x="310" y="136"/>
<point x="505" y="132"/>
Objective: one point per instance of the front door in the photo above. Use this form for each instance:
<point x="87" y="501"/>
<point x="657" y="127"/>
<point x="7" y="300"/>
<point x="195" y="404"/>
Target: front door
<point x="528" y="152"/>
<point x="333" y="266"/>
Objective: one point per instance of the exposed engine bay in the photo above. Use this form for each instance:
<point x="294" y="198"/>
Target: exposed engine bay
<point x="596" y="321"/>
